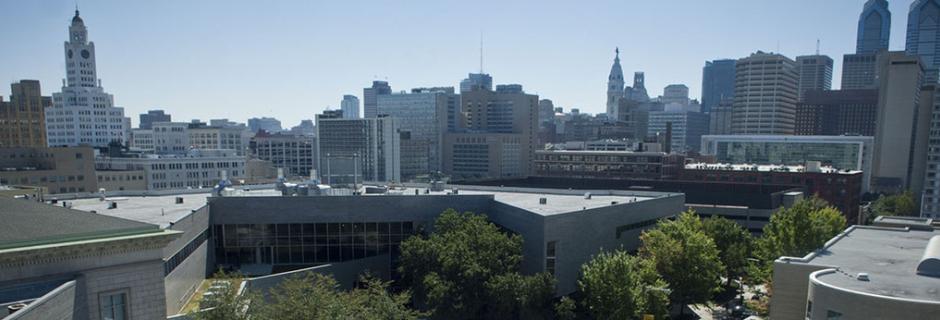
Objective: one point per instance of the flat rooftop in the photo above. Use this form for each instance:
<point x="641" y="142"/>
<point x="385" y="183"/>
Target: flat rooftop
<point x="890" y="257"/>
<point x="763" y="168"/>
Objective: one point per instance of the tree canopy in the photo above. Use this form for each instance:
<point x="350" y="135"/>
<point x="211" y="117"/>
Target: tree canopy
<point x="616" y="285"/>
<point x="797" y="231"/>
<point x="901" y="204"/>
<point x="733" y="243"/>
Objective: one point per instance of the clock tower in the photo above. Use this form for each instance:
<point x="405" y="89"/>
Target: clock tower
<point x="614" y="87"/>
<point x="80" y="56"/>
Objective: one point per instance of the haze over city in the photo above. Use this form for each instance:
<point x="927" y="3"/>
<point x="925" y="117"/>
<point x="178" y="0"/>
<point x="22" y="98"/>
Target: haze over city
<point x="292" y="59"/>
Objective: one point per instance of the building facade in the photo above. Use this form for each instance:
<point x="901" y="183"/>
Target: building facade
<point x="270" y="125"/>
<point x="476" y="81"/>
<point x="351" y="151"/>
<point x="615" y="84"/>
<point x="234" y="138"/>
<point x="923" y="36"/>
<point x="422" y="117"/>
<point x="765" y="95"/>
<point x="59" y="170"/>
<point x="296" y="154"/>
<point x="606" y="164"/>
<point x="687" y="128"/>
<point x="23" y="118"/>
<point x="370" y="97"/>
<point x="195" y="169"/>
<point x="350" y="106"/>
<point x="717" y="83"/>
<point x="815" y="73"/>
<point x="837" y="112"/>
<point x="82" y="113"/>
<point x="874" y="27"/>
<point x="897" y="123"/>
<point x="719" y="118"/>
<point x="859" y="71"/>
<point x="147" y="119"/>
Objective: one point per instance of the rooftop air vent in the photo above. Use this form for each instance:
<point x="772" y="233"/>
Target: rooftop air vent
<point x="179" y="200"/>
<point x="587" y="195"/>
<point x="112" y="205"/>
<point x="930" y="262"/>
<point x="862" y="276"/>
<point x="543" y="200"/>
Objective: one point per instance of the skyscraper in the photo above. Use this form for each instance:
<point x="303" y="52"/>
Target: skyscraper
<point x="815" y="73"/>
<point x="923" y="35"/>
<point x="676" y="94"/>
<point x="874" y="27"/>
<point x="147" y="119"/>
<point x="475" y="81"/>
<point x="23" y="118"/>
<point x="717" y="83"/>
<point x="422" y="120"/>
<point x="858" y="71"/>
<point x="356" y="150"/>
<point x="350" y="107"/>
<point x="765" y="95"/>
<point x="83" y="114"/>
<point x="614" y="86"/>
<point x="369" y="99"/>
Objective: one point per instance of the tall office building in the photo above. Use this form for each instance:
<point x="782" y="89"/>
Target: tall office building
<point x="147" y="119"/>
<point x="719" y="118"/>
<point x="858" y="71"/>
<point x="717" y="83"/>
<point x="930" y="205"/>
<point x="614" y="86"/>
<point x="355" y="150"/>
<point x="687" y="128"/>
<point x="815" y="73"/>
<point x="476" y="81"/>
<point x="421" y="116"/>
<point x="900" y="117"/>
<point x="837" y="112"/>
<point x="295" y="153"/>
<point x="23" y="118"/>
<point x="923" y="36"/>
<point x="370" y="97"/>
<point x="271" y="125"/>
<point x="676" y="94"/>
<point x="350" y="107"/>
<point x="765" y="95"/>
<point x="546" y="112"/>
<point x="83" y="114"/>
<point x="874" y="27"/>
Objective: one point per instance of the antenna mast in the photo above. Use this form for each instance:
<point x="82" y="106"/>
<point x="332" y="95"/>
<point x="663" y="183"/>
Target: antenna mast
<point x="817" y="46"/>
<point x="481" y="51"/>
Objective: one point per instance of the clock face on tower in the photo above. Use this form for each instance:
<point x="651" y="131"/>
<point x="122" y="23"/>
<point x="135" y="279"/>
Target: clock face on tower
<point x="85" y="54"/>
<point x="69" y="54"/>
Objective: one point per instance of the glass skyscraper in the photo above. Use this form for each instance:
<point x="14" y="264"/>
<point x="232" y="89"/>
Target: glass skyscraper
<point x="717" y="83"/>
<point x="874" y="27"/>
<point x="923" y="35"/>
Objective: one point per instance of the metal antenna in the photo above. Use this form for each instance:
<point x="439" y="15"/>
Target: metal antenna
<point x="817" y="46"/>
<point x="481" y="51"/>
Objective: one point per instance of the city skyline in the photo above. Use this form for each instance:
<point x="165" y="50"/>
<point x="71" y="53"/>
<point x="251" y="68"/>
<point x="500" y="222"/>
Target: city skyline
<point x="190" y="67"/>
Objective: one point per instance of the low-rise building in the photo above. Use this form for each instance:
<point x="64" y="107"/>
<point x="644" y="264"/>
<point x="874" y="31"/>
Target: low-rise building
<point x="58" y="170"/>
<point x="119" y="180"/>
<point x="607" y="164"/>
<point x="195" y="169"/>
<point x="296" y="154"/>
<point x="485" y="155"/>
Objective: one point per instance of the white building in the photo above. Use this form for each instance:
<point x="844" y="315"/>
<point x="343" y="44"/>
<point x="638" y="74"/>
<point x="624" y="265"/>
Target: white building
<point x="234" y="138"/>
<point x="83" y="114"/>
<point x="350" y="107"/>
<point x="194" y="169"/>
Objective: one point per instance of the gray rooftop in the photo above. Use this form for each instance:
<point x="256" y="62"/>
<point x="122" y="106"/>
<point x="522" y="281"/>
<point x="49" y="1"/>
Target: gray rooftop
<point x="890" y="257"/>
<point x="30" y="223"/>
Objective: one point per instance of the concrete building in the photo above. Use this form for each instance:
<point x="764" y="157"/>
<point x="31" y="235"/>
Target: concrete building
<point x="234" y="138"/>
<point x="270" y="125"/>
<point x="120" y="180"/>
<point x="615" y="84"/>
<point x="476" y="81"/>
<point x="898" y="124"/>
<point x="141" y="140"/>
<point x="23" y="118"/>
<point x="422" y="117"/>
<point x="687" y="128"/>
<point x="859" y="71"/>
<point x="296" y="154"/>
<point x="815" y="73"/>
<point x="766" y="92"/>
<point x="58" y="170"/>
<point x="923" y="36"/>
<point x="837" y="112"/>
<point x="305" y="128"/>
<point x="147" y="119"/>
<point x="168" y="138"/>
<point x="874" y="27"/>
<point x="606" y="164"/>
<point x="350" y="106"/>
<point x="676" y="94"/>
<point x="717" y="83"/>
<point x="886" y="271"/>
<point x="370" y="97"/>
<point x="546" y="112"/>
<point x="82" y="113"/>
<point x="351" y="151"/>
<point x="719" y="118"/>
<point x="638" y="91"/>
<point x="930" y="205"/>
<point x="840" y="152"/>
<point x="194" y="169"/>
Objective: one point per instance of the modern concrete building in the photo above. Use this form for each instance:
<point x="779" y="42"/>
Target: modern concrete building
<point x="930" y="205"/>
<point x="765" y="95"/>
<point x="923" y="36"/>
<point x="717" y="83"/>
<point x="58" y="170"/>
<point x="234" y="138"/>
<point x="270" y="125"/>
<point x="350" y="106"/>
<point x="296" y="154"/>
<point x="687" y="128"/>
<point x="82" y="113"/>
<point x="886" y="271"/>
<point x="147" y="119"/>
<point x="351" y="151"/>
<point x="193" y="169"/>
<point x="837" y="112"/>
<point x="840" y="152"/>
<point x="23" y="118"/>
<point x="815" y="73"/>
<point x="422" y="117"/>
<point x="370" y="97"/>
<point x="606" y="164"/>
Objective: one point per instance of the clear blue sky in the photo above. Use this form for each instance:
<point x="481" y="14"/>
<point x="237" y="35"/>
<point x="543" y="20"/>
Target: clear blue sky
<point x="292" y="59"/>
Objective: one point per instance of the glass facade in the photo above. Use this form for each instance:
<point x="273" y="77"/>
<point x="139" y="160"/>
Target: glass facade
<point x="307" y="243"/>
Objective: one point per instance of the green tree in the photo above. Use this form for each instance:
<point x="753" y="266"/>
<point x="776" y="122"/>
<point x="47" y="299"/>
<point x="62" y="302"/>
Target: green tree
<point x="685" y="257"/>
<point x="566" y="309"/>
<point x="468" y="268"/>
<point x="901" y="204"/>
<point x="733" y="242"/>
<point x="795" y="232"/>
<point x="228" y="304"/>
<point x="616" y="285"/>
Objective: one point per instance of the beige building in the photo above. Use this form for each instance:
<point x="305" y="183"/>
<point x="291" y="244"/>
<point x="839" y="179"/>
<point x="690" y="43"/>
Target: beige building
<point x="887" y="271"/>
<point x="23" y="118"/>
<point x="485" y="155"/>
<point x="765" y="95"/>
<point x="59" y="170"/>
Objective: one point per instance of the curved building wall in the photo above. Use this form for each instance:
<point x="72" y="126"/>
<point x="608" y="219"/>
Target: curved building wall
<point x="828" y="301"/>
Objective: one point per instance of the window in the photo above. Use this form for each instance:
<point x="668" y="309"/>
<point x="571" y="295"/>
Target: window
<point x="809" y="309"/>
<point x="833" y="315"/>
<point x="550" y="257"/>
<point x="113" y="305"/>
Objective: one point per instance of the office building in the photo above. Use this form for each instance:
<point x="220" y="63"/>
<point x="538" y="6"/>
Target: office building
<point x="58" y="170"/>
<point x="370" y="97"/>
<point x="840" y="152"/>
<point x="719" y="118"/>
<point x="270" y="125"/>
<point x="82" y="113"/>
<point x="606" y="164"/>
<point x="194" y="169"/>
<point x="899" y="120"/>
<point x="837" y="112"/>
<point x="859" y="71"/>
<point x="351" y="151"/>
<point x="815" y="73"/>
<point x="476" y="81"/>
<point x="296" y="154"/>
<point x="615" y="86"/>
<point x="305" y="128"/>
<point x="874" y="27"/>
<point x="676" y="94"/>
<point x="687" y="128"/>
<point x="421" y="116"/>
<point x="233" y="138"/>
<point x="717" y="83"/>
<point x="930" y="206"/>
<point x="546" y="112"/>
<point x="350" y="106"/>
<point x="168" y="138"/>
<point x="23" y="118"/>
<point x="765" y="95"/>
<point x="923" y="36"/>
<point x="147" y="119"/>
<point x="885" y="271"/>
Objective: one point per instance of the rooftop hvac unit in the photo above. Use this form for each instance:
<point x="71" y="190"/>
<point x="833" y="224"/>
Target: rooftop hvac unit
<point x="543" y="200"/>
<point x="862" y="276"/>
<point x="112" y="205"/>
<point x="455" y="191"/>
<point x="587" y="195"/>
<point x="179" y="200"/>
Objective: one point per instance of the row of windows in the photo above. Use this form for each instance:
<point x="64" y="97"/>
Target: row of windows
<point x="184" y="253"/>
